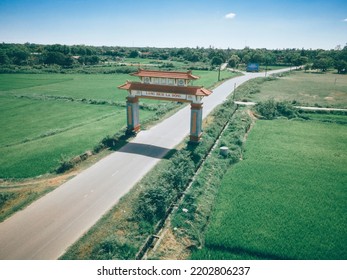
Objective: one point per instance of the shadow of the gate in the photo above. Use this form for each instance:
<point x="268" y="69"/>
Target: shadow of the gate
<point x="146" y="150"/>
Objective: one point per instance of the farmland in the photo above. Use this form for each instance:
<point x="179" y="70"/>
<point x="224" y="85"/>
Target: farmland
<point x="39" y="131"/>
<point x="313" y="89"/>
<point x="286" y="199"/>
<point x="47" y="118"/>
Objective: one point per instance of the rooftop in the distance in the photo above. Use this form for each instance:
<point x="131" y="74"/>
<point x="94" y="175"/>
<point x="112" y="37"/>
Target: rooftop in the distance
<point x="165" y="74"/>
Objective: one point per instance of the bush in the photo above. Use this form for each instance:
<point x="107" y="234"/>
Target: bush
<point x="4" y="197"/>
<point x="270" y="109"/>
<point x="64" y="166"/>
<point x="111" y="248"/>
<point x="153" y="203"/>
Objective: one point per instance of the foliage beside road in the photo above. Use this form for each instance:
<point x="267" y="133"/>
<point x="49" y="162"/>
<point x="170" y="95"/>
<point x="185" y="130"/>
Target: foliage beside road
<point x="122" y="231"/>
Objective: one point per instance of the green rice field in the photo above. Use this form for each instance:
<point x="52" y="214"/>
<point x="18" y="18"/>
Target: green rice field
<point x="38" y="132"/>
<point x="287" y="199"/>
<point x="44" y="120"/>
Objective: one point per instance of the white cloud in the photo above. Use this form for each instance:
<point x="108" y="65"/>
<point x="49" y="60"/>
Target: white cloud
<point x="345" y="20"/>
<point x="230" y="16"/>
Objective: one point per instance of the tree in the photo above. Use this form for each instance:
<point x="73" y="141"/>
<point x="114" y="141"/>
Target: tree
<point x="341" y="66"/>
<point x="323" y="64"/>
<point x="55" y="58"/>
<point x="216" y="60"/>
<point x="258" y="57"/>
<point x="234" y="61"/>
<point x="246" y="58"/>
<point x="298" y="60"/>
<point x="307" y="67"/>
<point x="341" y="61"/>
<point x="68" y="61"/>
<point x="133" y="54"/>
<point x="3" y="58"/>
<point x="19" y="56"/>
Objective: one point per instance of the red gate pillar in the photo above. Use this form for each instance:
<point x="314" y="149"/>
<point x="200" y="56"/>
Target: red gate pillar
<point x="195" y="122"/>
<point x="133" y="125"/>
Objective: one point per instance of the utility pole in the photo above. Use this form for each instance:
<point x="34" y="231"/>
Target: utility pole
<point x="234" y="92"/>
<point x="265" y="70"/>
<point x="220" y="66"/>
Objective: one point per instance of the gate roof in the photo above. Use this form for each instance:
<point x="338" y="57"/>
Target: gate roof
<point x="165" y="74"/>
<point x="189" y="90"/>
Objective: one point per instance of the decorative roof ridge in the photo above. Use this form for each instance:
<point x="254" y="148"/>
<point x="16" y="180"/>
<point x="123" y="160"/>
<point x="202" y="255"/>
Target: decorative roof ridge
<point x="188" y="73"/>
<point x="136" y="82"/>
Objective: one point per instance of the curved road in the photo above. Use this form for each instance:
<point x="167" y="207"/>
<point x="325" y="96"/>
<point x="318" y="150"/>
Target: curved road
<point x="47" y="227"/>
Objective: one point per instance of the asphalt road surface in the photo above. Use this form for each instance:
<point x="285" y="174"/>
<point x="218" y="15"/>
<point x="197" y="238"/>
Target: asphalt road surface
<point x="47" y="227"/>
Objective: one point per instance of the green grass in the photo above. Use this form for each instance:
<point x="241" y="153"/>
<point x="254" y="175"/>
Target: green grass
<point x="78" y="86"/>
<point x="209" y="78"/>
<point x="326" y="90"/>
<point x="46" y="118"/>
<point x="286" y="199"/>
<point x="19" y="81"/>
<point x="37" y="133"/>
<point x="44" y="121"/>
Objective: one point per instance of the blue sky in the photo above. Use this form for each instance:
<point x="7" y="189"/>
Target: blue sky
<point x="158" y="23"/>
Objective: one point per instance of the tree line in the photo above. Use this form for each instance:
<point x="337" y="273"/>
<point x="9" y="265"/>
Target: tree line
<point x="67" y="56"/>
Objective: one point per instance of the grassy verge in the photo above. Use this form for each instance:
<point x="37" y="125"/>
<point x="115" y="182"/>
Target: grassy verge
<point x="185" y="231"/>
<point x="122" y="231"/>
<point x="17" y="194"/>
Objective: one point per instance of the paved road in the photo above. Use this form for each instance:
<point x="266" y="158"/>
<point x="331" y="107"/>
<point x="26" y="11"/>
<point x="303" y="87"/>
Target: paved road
<point x="46" y="228"/>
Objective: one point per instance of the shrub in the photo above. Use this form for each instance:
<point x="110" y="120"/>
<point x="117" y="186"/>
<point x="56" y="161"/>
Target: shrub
<point x="97" y="148"/>
<point x="4" y="197"/>
<point x="153" y="203"/>
<point x="64" y="166"/>
<point x="111" y="248"/>
<point x="270" y="109"/>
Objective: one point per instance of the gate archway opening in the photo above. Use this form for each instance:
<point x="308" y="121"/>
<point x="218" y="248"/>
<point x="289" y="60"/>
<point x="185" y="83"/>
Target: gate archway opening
<point x="168" y="86"/>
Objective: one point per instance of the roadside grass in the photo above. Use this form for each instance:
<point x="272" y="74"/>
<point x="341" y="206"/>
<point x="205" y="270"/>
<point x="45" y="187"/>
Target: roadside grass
<point x="286" y="199"/>
<point x="121" y="232"/>
<point x="17" y="194"/>
<point x="117" y="228"/>
<point x="313" y="89"/>
<point x="19" y="197"/>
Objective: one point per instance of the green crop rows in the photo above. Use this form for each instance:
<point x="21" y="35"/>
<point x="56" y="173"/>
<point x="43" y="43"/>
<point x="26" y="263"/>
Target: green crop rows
<point x="286" y="199"/>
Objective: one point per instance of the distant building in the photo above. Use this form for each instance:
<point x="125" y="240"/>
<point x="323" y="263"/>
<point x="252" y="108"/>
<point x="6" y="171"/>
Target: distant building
<point x="252" y="67"/>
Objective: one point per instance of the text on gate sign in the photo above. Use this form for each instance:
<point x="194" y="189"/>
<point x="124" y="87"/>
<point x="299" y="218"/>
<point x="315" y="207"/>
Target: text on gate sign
<point x="161" y="94"/>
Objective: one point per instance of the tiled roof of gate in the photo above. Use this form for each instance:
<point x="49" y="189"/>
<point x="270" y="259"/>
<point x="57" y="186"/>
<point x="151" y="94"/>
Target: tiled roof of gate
<point x="165" y="74"/>
<point x="189" y="90"/>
